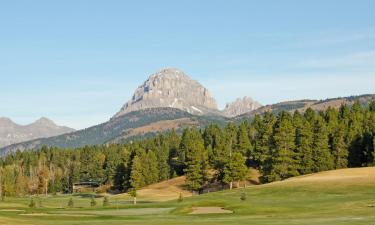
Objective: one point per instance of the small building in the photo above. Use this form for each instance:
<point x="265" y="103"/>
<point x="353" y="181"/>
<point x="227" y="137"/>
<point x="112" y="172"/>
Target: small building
<point x="85" y="186"/>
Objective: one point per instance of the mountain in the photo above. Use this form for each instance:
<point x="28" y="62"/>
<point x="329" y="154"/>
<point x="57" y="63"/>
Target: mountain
<point x="302" y="105"/>
<point x="132" y="125"/>
<point x="240" y="106"/>
<point x="11" y="133"/>
<point x="171" y="88"/>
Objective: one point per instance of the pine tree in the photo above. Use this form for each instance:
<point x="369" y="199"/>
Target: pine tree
<point x="283" y="163"/>
<point x="196" y="159"/>
<point x="339" y="147"/>
<point x="150" y="169"/>
<point x="234" y="169"/>
<point x="304" y="141"/>
<point x="263" y="144"/>
<point x="243" y="140"/>
<point x="355" y="135"/>
<point x="322" y="157"/>
<point x="137" y="179"/>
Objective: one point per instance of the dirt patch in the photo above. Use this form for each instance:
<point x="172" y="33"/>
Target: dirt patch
<point x="209" y="210"/>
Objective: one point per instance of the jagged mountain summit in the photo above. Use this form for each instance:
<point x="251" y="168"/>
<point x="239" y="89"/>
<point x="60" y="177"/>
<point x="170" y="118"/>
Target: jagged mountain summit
<point x="171" y="88"/>
<point x="240" y="106"/>
<point x="11" y="133"/>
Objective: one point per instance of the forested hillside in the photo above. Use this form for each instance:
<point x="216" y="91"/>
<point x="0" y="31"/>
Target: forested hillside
<point x="280" y="146"/>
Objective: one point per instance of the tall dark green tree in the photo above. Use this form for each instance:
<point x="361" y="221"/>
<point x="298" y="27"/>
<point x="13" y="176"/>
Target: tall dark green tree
<point x="196" y="159"/>
<point x="304" y="141"/>
<point x="322" y="156"/>
<point x="284" y="162"/>
<point x="243" y="140"/>
<point x="339" y="147"/>
<point x="235" y="169"/>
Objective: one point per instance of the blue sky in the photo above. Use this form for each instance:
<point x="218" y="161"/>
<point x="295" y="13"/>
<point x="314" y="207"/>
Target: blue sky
<point x="77" y="62"/>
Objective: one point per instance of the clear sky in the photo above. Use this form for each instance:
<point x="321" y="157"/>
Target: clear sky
<point x="77" y="62"/>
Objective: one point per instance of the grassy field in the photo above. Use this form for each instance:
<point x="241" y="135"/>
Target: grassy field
<point x="334" y="197"/>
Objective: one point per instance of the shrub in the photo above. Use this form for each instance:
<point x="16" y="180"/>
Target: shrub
<point x="32" y="203"/>
<point x="71" y="203"/>
<point x="243" y="196"/>
<point x="93" y="202"/>
<point x="180" y="198"/>
<point x="105" y="201"/>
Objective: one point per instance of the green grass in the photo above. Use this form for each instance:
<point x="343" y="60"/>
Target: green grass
<point x="315" y="203"/>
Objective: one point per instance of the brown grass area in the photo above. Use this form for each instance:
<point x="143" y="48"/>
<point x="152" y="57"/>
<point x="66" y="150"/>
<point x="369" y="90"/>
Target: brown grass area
<point x="166" y="190"/>
<point x="364" y="175"/>
<point x="163" y="191"/>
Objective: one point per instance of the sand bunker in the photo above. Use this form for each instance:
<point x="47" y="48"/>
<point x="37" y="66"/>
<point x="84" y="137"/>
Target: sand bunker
<point x="210" y="210"/>
<point x="12" y="210"/>
<point x="51" y="214"/>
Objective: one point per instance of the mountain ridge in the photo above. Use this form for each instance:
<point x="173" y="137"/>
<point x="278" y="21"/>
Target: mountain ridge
<point x="12" y="133"/>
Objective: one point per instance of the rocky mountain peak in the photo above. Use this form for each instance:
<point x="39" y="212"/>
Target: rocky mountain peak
<point x="171" y="88"/>
<point x="6" y="121"/>
<point x="240" y="106"/>
<point x="43" y="121"/>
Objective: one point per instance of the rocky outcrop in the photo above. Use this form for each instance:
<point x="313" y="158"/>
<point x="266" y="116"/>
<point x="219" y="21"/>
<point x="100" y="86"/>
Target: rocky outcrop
<point x="240" y="106"/>
<point x="11" y="133"/>
<point x="171" y="88"/>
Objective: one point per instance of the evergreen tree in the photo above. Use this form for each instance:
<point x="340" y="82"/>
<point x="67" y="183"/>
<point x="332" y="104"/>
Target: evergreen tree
<point x="243" y="140"/>
<point x="263" y="144"/>
<point x="234" y="169"/>
<point x="322" y="157"/>
<point x="283" y="163"/>
<point x="304" y="142"/>
<point x="339" y="147"/>
<point x="137" y="179"/>
<point x="150" y="170"/>
<point x="196" y="159"/>
<point x="356" y="153"/>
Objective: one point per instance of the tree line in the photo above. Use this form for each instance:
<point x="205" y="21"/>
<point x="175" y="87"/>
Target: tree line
<point x="280" y="146"/>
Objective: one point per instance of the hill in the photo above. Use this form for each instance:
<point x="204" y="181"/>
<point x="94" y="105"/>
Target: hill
<point x="302" y="105"/>
<point x="133" y="125"/>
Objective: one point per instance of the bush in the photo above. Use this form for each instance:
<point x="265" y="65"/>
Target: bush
<point x="105" y="201"/>
<point x="71" y="203"/>
<point x="32" y="203"/>
<point x="180" y="198"/>
<point x="93" y="202"/>
<point x="243" y="196"/>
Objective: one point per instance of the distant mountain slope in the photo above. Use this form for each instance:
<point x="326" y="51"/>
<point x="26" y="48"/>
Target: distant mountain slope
<point x="302" y="105"/>
<point x="11" y="133"/>
<point x="129" y="126"/>
<point x="148" y="122"/>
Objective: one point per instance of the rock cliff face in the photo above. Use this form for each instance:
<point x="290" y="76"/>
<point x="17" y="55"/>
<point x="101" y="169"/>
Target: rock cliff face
<point x="171" y="88"/>
<point x="11" y="133"/>
<point x="240" y="106"/>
